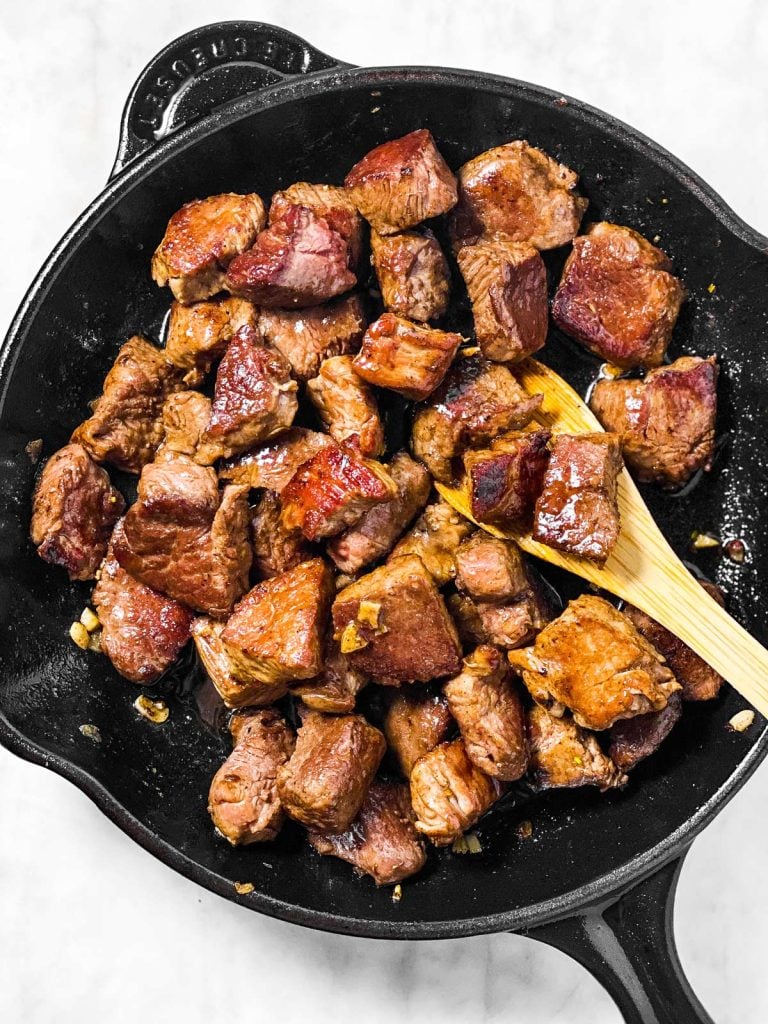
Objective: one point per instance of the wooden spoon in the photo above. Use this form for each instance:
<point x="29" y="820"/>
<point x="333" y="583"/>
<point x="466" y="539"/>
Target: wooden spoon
<point x="643" y="569"/>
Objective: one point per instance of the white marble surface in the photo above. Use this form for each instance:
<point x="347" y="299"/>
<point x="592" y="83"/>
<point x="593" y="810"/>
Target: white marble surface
<point x="93" y="929"/>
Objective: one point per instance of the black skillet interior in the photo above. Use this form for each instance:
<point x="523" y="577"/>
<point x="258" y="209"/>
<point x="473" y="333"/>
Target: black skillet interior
<point x="153" y="780"/>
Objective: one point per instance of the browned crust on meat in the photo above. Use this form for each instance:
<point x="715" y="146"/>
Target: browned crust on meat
<point x="408" y="358"/>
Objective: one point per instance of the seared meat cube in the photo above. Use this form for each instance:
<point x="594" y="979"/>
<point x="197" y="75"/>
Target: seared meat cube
<point x="413" y="274"/>
<point x="255" y="397"/>
<point x="382" y="841"/>
<point x="594" y="662"/>
<point x="466" y="615"/>
<point x="618" y="297"/>
<point x="666" y="422"/>
<point x="201" y="240"/>
<point x="634" y="739"/>
<point x="126" y="427"/>
<point x="218" y="664"/>
<point x="434" y="537"/>
<point x="393" y="624"/>
<point x="199" y="334"/>
<point x="416" y="721"/>
<point x="74" y="509"/>
<point x="507" y="285"/>
<point x="490" y="569"/>
<point x="449" y="793"/>
<point x="298" y="261"/>
<point x="142" y="630"/>
<point x="308" y="336"/>
<point x="519" y="192"/>
<point x="275" y="549"/>
<point x="490" y="715"/>
<point x="333" y="490"/>
<point x="329" y="202"/>
<point x="563" y="755"/>
<point x="505" y="480"/>
<point x="477" y="401"/>
<point x="336" y="757"/>
<point x="335" y="690"/>
<point x="243" y="800"/>
<point x="698" y="679"/>
<point x="186" y="415"/>
<point x="346" y="405"/>
<point x="273" y="465"/>
<point x="183" y="538"/>
<point x="401" y="183"/>
<point x="373" y="536"/>
<point x="577" y="510"/>
<point x="405" y="357"/>
<point x="512" y="624"/>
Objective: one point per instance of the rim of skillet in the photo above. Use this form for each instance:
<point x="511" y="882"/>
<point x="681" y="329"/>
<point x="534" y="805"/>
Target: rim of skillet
<point x="600" y="888"/>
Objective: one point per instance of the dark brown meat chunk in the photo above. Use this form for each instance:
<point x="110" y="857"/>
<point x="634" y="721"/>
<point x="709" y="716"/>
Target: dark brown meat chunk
<point x="298" y="261"/>
<point x="434" y="537"/>
<point x="393" y="624"/>
<point x="634" y="739"/>
<point x="199" y="334"/>
<point x="405" y="357"/>
<point x="347" y="405"/>
<point x="594" y="662"/>
<point x="519" y="192"/>
<point x="333" y="490"/>
<point x="666" y="422"/>
<point x="449" y="793"/>
<point x="510" y="624"/>
<point x="489" y="714"/>
<point x="382" y="841"/>
<point x="477" y="401"/>
<point x="577" y="510"/>
<point x="275" y="549"/>
<point x="186" y="415"/>
<point x="373" y="536"/>
<point x="126" y="426"/>
<point x="308" y="336"/>
<point x="413" y="274"/>
<point x="417" y="719"/>
<point x="401" y="183"/>
<point x="335" y="690"/>
<point x="504" y="481"/>
<point x="243" y="800"/>
<point x="507" y="286"/>
<point x="564" y="755"/>
<point x="201" y="240"/>
<point x="74" y="509"/>
<point x="185" y="539"/>
<point x="490" y="569"/>
<point x="618" y="297"/>
<point x="325" y="782"/>
<point x="219" y="666"/>
<point x="273" y="465"/>
<point x="142" y="630"/>
<point x="331" y="203"/>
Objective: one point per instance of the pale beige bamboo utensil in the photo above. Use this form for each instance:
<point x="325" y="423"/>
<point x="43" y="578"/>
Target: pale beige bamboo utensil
<point x="643" y="569"/>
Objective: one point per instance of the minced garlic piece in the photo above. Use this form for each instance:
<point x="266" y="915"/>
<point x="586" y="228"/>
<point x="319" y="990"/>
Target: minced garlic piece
<point x="459" y="845"/>
<point x="473" y="843"/>
<point x="525" y="829"/>
<point x="91" y="732"/>
<point x="742" y="720"/>
<point x="89" y="619"/>
<point x="397" y="893"/>
<point x="368" y="613"/>
<point x="352" y="639"/>
<point x="702" y="541"/>
<point x="154" y="710"/>
<point x="243" y="888"/>
<point x="79" y="635"/>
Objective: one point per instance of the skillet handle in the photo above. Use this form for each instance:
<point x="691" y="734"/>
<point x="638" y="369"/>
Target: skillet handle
<point x="205" y="68"/>
<point x="629" y="946"/>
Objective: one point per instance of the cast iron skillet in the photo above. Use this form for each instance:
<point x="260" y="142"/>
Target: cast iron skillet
<point x="244" y="106"/>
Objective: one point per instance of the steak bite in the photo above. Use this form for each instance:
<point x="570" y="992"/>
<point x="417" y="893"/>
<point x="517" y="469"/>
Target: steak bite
<point x="125" y="427"/>
<point x="401" y="183"/>
<point x="477" y="401"/>
<point x="243" y="800"/>
<point x="666" y="422"/>
<point x="520" y="193"/>
<point x="142" y="630"/>
<point x="333" y="490"/>
<point x="489" y="714"/>
<point x="490" y="569"/>
<point x="185" y="539"/>
<point x="507" y="286"/>
<point x="413" y="274"/>
<point x="373" y="536"/>
<point x="74" y="509"/>
<point x="218" y="665"/>
<point x="505" y="480"/>
<point x="434" y="538"/>
<point x="272" y="465"/>
<point x="199" y="334"/>
<point x="275" y="549"/>
<point x="617" y="296"/>
<point x="186" y="415"/>
<point x="202" y="239"/>
<point x="298" y="261"/>
<point x="347" y="405"/>
<point x="405" y="357"/>
<point x="634" y="739"/>
<point x="335" y="690"/>
<point x="308" y="336"/>
<point x="325" y="782"/>
<point x="577" y="510"/>
<point x="393" y="624"/>
<point x="254" y="398"/>
<point x="417" y="719"/>
<point x="564" y="755"/>
<point x="594" y="662"/>
<point x="382" y="841"/>
<point x="449" y="793"/>
<point x="331" y="203"/>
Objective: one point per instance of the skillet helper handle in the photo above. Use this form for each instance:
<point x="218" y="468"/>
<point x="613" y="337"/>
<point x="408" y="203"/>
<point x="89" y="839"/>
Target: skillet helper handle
<point x="629" y="946"/>
<point x="205" y="68"/>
